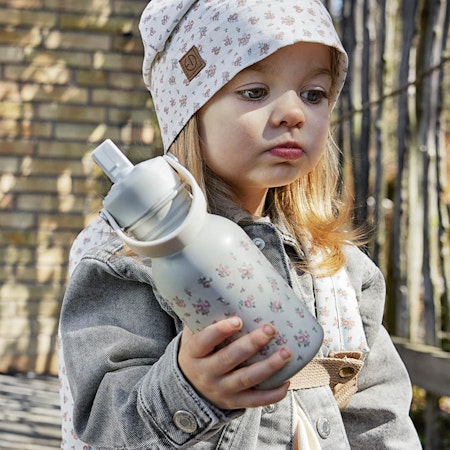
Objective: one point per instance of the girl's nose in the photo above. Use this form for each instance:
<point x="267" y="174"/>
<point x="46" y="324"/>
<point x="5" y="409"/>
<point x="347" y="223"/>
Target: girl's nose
<point x="288" y="110"/>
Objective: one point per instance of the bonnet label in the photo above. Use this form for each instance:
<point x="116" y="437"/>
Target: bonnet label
<point x="192" y="63"/>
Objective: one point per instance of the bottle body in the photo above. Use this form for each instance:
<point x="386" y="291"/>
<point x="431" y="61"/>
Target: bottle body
<point x="205" y="266"/>
<point x="222" y="273"/>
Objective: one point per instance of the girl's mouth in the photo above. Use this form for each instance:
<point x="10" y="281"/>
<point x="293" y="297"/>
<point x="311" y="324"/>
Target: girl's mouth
<point x="287" y="152"/>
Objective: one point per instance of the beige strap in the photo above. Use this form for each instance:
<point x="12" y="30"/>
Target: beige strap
<point x="339" y="371"/>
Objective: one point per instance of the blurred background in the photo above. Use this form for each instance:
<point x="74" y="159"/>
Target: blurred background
<point x="70" y="77"/>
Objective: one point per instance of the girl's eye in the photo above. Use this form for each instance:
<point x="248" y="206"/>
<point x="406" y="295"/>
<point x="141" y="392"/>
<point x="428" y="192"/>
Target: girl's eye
<point x="256" y="93"/>
<point x="314" y="96"/>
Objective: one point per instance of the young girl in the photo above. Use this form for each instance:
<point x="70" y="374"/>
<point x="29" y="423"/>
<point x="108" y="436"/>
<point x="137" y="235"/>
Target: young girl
<point x="244" y="91"/>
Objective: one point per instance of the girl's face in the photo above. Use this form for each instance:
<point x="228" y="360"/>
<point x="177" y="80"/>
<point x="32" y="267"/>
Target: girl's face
<point x="269" y="125"/>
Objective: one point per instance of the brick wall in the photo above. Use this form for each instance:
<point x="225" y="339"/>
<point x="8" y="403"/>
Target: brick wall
<point x="69" y="78"/>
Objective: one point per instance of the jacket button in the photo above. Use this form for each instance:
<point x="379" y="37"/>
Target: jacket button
<point x="323" y="427"/>
<point x="269" y="409"/>
<point x="185" y="421"/>
<point x="259" y="243"/>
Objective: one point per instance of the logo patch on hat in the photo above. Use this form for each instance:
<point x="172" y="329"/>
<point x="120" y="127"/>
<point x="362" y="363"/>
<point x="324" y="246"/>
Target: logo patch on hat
<point x="192" y="63"/>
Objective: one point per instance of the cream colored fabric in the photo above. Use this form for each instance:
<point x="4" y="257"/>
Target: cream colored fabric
<point x="305" y="436"/>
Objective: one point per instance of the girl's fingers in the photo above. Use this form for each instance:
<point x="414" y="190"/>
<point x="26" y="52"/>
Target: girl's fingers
<point x="204" y="342"/>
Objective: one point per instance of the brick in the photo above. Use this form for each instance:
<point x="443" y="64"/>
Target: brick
<point x="11" y="147"/>
<point x="130" y="44"/>
<point x="67" y="95"/>
<point x="118" y="98"/>
<point x="16" y="256"/>
<point x="61" y="40"/>
<point x="16" y="220"/>
<point x="121" y="62"/>
<point x="106" y="24"/>
<point x="20" y="37"/>
<point x="54" y="73"/>
<point x="35" y="184"/>
<point x="83" y="133"/>
<point x="98" y="8"/>
<point x="60" y="221"/>
<point x="18" y="238"/>
<point x="15" y="110"/>
<point x="57" y="149"/>
<point x="11" y="54"/>
<point x="50" y="203"/>
<point x="24" y="129"/>
<point x="24" y="17"/>
<point x="22" y="4"/>
<point x="70" y="113"/>
<point x="8" y="165"/>
<point x="129" y="81"/>
<point x="129" y="7"/>
<point x="44" y="58"/>
<point x="10" y="91"/>
<point x="91" y="78"/>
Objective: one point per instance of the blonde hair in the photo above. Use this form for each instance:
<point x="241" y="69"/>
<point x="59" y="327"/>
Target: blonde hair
<point x="311" y="207"/>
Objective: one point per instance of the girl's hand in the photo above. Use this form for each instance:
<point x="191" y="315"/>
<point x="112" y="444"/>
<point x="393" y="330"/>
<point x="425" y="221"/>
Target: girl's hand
<point x="215" y="374"/>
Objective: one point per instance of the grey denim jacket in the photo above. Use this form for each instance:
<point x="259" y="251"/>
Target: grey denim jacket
<point x="120" y="342"/>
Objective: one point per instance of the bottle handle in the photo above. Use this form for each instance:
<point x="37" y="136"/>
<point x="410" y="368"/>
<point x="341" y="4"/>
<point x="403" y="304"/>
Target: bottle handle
<point x="176" y="240"/>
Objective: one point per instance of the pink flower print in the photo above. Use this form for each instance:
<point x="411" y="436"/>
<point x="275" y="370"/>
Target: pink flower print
<point x="265" y="350"/>
<point x="172" y="80"/>
<point x="269" y="15"/>
<point x="211" y="71"/>
<point x="342" y="292"/>
<point x="215" y="50"/>
<point x="288" y="20"/>
<point x="347" y="323"/>
<point x="276" y="306"/>
<point x="244" y="40"/>
<point x="216" y="16"/>
<point x="281" y="339"/>
<point x="279" y="36"/>
<point x="188" y="26"/>
<point x="205" y="282"/>
<point x="250" y="302"/>
<point x="183" y="101"/>
<point x="246" y="271"/>
<point x="245" y="245"/>
<point x="202" y="307"/>
<point x="233" y="18"/>
<point x="257" y="319"/>
<point x="223" y="271"/>
<point x="253" y="20"/>
<point x="323" y="311"/>
<point x="179" y="302"/>
<point x="188" y="292"/>
<point x="172" y="102"/>
<point x="289" y="324"/>
<point x="302" y="339"/>
<point x="264" y="49"/>
<point x="273" y="284"/>
<point x="203" y="31"/>
<point x="237" y="62"/>
<point x="230" y="286"/>
<point x="228" y="41"/>
<point x="164" y="19"/>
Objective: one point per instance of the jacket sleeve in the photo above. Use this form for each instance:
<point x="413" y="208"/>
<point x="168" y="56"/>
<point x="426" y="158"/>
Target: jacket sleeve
<point x="377" y="416"/>
<point x="120" y="351"/>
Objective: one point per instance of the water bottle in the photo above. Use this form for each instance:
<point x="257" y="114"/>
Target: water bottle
<point x="204" y="265"/>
